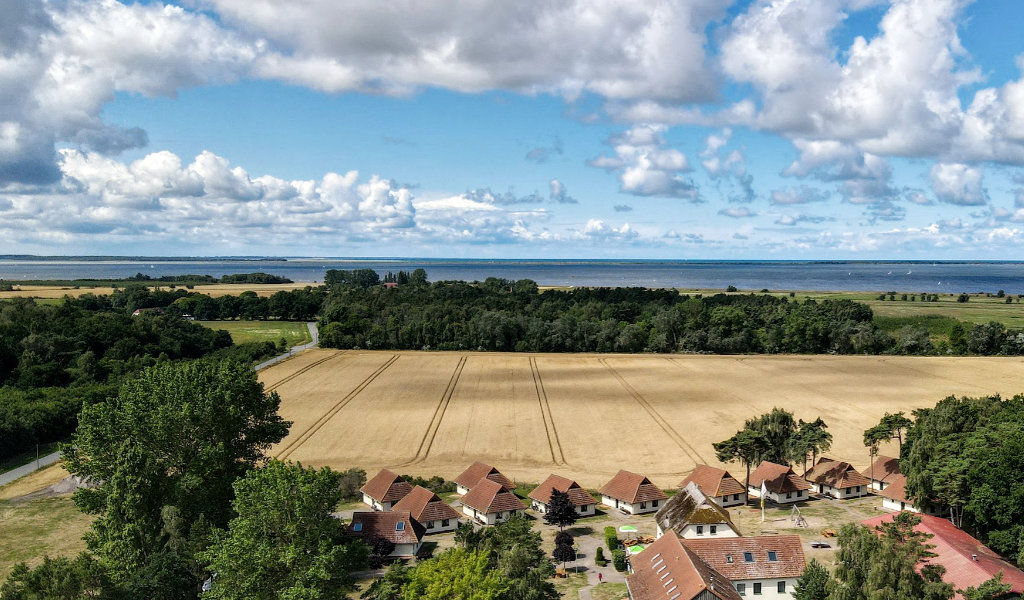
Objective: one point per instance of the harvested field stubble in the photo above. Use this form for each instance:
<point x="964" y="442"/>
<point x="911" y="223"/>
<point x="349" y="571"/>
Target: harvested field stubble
<point x="587" y="416"/>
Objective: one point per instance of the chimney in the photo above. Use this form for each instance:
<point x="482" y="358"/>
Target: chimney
<point x="974" y="557"/>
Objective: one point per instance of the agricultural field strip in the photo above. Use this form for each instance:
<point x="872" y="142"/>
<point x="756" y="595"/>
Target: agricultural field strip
<point x="435" y="421"/>
<point x="315" y="427"/>
<point x="545" y="412"/>
<point x="310" y="366"/>
<point x="685" y="446"/>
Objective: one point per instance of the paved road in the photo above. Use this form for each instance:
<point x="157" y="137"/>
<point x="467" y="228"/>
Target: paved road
<point x="314" y="334"/>
<point x="44" y="461"/>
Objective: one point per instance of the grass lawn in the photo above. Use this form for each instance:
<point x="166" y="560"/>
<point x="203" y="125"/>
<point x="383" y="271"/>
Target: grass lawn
<point x="609" y="591"/>
<point x="569" y="587"/>
<point x="294" y="332"/>
<point x="45" y="526"/>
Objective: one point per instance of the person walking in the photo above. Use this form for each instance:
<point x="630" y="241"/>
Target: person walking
<point x="600" y="577"/>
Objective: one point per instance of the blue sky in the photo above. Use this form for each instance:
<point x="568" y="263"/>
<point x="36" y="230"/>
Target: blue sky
<point x="576" y="128"/>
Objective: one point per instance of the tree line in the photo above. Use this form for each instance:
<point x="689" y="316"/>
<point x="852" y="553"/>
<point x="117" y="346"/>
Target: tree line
<point x="286" y="305"/>
<point x="503" y="315"/>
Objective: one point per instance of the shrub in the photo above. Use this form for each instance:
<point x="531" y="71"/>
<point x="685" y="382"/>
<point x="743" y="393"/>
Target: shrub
<point x="619" y="560"/>
<point x="731" y="288"/>
<point x="611" y="539"/>
<point x="599" y="557"/>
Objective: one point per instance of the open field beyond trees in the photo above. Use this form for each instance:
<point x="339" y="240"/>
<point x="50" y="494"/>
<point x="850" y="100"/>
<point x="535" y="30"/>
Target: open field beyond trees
<point x="294" y="332"/>
<point x="586" y="416"/>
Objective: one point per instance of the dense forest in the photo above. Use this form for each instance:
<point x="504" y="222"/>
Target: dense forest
<point x="55" y="358"/>
<point x="499" y="314"/>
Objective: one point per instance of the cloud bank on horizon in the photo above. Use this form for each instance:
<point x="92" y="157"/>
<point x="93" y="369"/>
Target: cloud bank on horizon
<point x="671" y="128"/>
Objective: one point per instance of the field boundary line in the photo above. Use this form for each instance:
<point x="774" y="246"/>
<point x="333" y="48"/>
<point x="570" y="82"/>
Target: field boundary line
<point x="545" y="414"/>
<point x="327" y="416"/>
<point x="438" y="416"/>
<point x="660" y="420"/>
<point x="301" y="371"/>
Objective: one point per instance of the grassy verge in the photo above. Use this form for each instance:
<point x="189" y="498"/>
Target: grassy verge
<point x="295" y="333"/>
<point x="26" y="457"/>
<point x="609" y="591"/>
<point x="36" y="528"/>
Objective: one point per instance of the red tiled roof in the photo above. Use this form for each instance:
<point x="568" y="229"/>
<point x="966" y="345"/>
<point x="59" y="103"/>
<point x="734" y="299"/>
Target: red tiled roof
<point x="897" y="489"/>
<point x="718" y="551"/>
<point x="668" y="570"/>
<point x="777" y="478"/>
<point x="835" y="473"/>
<point x="885" y="467"/>
<point x="425" y="506"/>
<point x="577" y="495"/>
<point x="956" y="550"/>
<point x="478" y="471"/>
<point x="632" y="488"/>
<point x="490" y="497"/>
<point x="386" y="487"/>
<point x="385" y="524"/>
<point x="714" y="482"/>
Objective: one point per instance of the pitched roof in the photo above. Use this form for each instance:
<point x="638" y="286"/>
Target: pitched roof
<point x="777" y="478"/>
<point x="884" y="468"/>
<point x="577" y="495"/>
<point x="897" y="489"/>
<point x="632" y="488"/>
<point x="425" y="506"/>
<point x="490" y="497"/>
<point x="668" y="570"/>
<point x="714" y="482"/>
<point x="968" y="562"/>
<point x="478" y="471"/>
<point x="691" y="506"/>
<point x="397" y="527"/>
<point x="835" y="473"/>
<point x="386" y="487"/>
<point x="717" y="552"/>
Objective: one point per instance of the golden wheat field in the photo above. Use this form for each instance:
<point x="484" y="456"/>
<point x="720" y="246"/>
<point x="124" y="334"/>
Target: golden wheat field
<point x="586" y="416"/>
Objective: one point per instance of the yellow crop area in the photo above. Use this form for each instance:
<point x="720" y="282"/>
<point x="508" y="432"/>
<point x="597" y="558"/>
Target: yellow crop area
<point x="586" y="416"/>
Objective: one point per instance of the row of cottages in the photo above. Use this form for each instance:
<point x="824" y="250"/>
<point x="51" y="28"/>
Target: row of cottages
<point x="718" y="484"/>
<point x="583" y="502"/>
<point x="398" y="527"/>
<point x="967" y="562"/>
<point x="632" y="494"/>
<point x="674" y="568"/>
<point x="692" y="514"/>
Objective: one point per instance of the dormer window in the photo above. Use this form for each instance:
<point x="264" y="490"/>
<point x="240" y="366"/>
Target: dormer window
<point x="400" y="526"/>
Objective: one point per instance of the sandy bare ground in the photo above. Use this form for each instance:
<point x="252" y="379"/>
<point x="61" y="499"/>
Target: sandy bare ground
<point x="585" y="416"/>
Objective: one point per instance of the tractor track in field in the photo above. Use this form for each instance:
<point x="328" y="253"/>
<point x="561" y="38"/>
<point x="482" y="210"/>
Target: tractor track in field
<point x="656" y="416"/>
<point x="435" y="421"/>
<point x="557" y="456"/>
<point x="316" y="426"/>
<point x="301" y="371"/>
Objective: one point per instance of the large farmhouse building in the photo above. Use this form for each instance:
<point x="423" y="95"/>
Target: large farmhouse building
<point x="477" y="471"/>
<point x="429" y="510"/>
<point x="632" y="493"/>
<point x="584" y="503"/>
<point x="782" y="485"/>
<point x="718" y="484"/>
<point x="488" y="502"/>
<point x="837" y="479"/>
<point x="386" y="488"/>
<point x="692" y="514"/>
<point x="761" y="567"/>
<point x="668" y="570"/>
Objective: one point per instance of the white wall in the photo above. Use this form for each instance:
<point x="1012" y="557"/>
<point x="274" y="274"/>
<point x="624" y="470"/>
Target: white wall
<point x="376" y="505"/>
<point x="461" y="490"/>
<point x="798" y="496"/>
<point x="437" y="527"/>
<point x="584" y="511"/>
<point x="489" y="518"/>
<point x="769" y="588"/>
<point x="633" y="509"/>
<point x="729" y="500"/>
<point x="405" y="550"/>
<point x="721" y="530"/>
<point x="842" y="493"/>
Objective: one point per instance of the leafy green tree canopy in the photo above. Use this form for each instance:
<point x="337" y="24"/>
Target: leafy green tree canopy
<point x="284" y="543"/>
